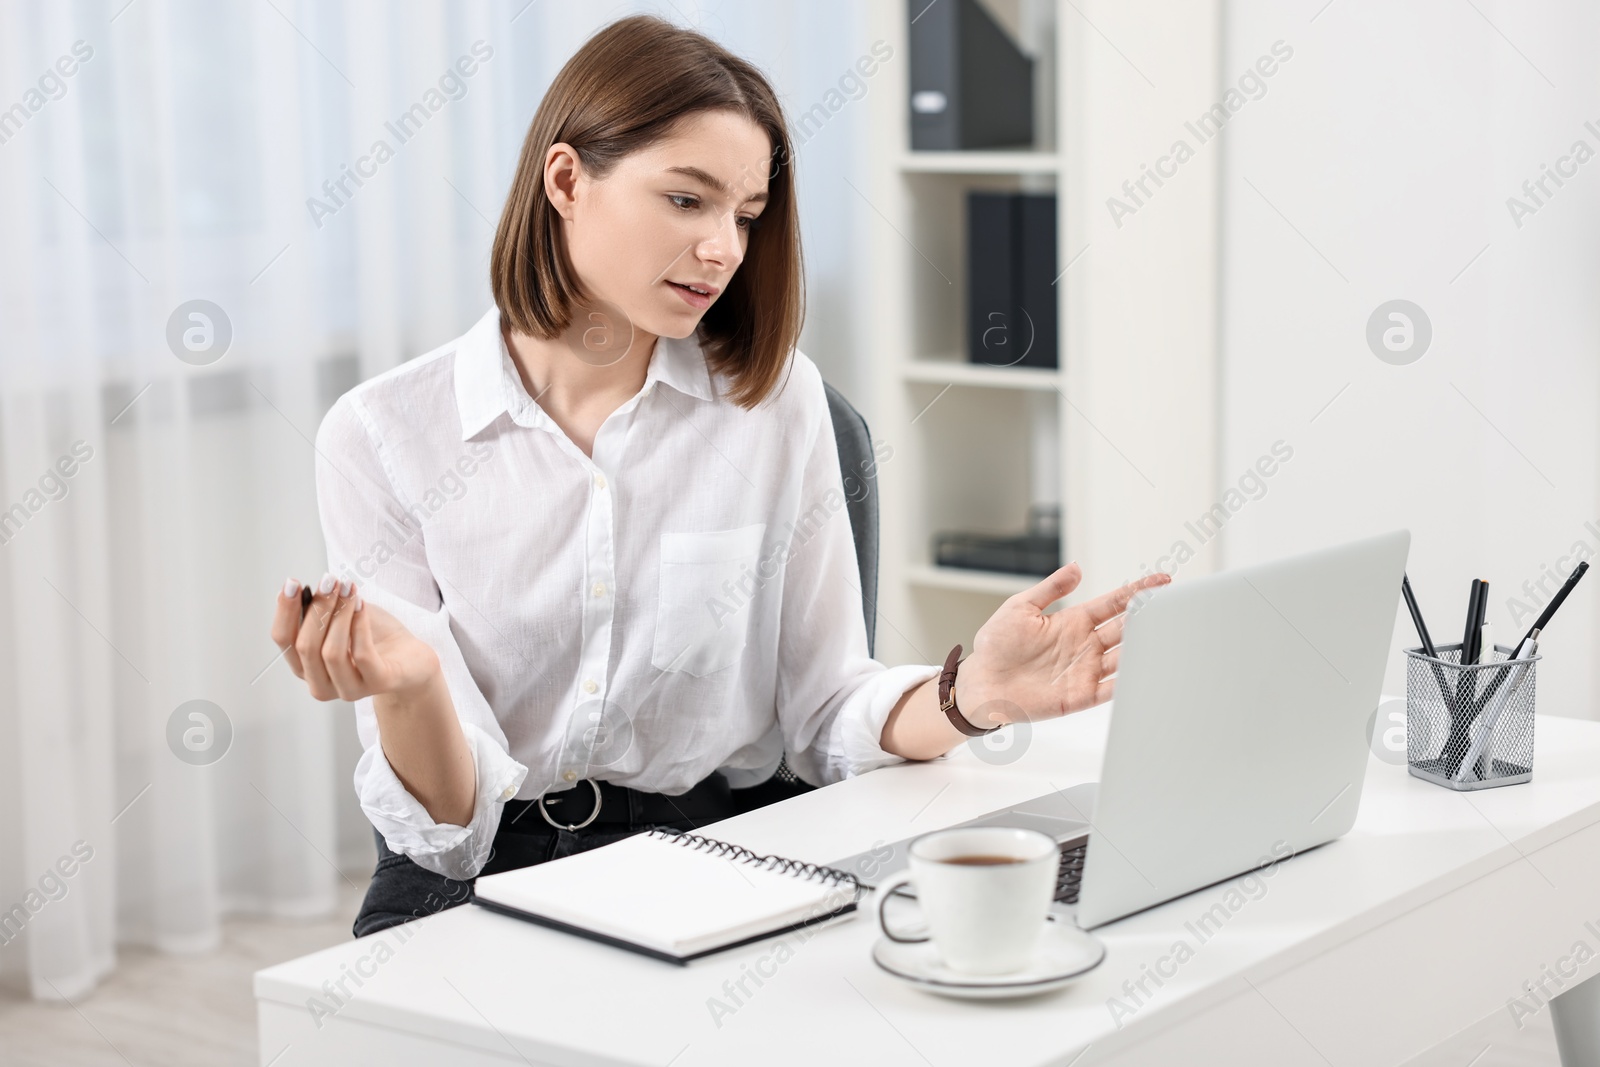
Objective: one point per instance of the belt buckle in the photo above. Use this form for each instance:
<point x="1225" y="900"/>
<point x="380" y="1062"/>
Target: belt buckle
<point x="577" y="825"/>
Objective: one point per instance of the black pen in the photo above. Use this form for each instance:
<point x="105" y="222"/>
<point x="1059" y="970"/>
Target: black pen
<point x="1467" y="630"/>
<point x="1462" y="715"/>
<point x="1478" y="651"/>
<point x="1480" y="606"/>
<point x="1427" y="643"/>
<point x="1469" y="634"/>
<point x="1539" y="624"/>
<point x="1555" y="602"/>
<point x="1416" y="616"/>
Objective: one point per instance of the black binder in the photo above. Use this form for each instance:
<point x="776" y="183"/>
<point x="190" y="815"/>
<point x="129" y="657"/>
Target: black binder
<point x="1012" y="318"/>
<point x="971" y="86"/>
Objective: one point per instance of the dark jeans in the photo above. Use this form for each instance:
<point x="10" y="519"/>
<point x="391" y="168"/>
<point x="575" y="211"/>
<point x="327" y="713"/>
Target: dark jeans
<point x="401" y="890"/>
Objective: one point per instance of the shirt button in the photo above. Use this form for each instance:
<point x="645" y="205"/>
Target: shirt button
<point x="599" y="481"/>
<point x="599" y="588"/>
<point x="589" y="686"/>
<point x="507" y="793"/>
<point x="571" y="776"/>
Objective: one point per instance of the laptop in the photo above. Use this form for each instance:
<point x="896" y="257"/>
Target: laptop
<point x="1238" y="735"/>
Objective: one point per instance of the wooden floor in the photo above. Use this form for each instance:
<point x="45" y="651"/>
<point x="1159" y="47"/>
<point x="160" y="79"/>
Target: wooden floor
<point x="169" y="1011"/>
<point x="197" y="1011"/>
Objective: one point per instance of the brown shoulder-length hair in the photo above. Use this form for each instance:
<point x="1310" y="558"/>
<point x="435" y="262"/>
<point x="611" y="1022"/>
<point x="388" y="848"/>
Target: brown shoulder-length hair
<point x="625" y="89"/>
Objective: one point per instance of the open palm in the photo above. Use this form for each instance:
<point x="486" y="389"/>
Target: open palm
<point x="1026" y="665"/>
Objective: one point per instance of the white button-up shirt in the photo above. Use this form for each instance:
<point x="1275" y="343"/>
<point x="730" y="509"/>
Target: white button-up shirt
<point x="685" y="601"/>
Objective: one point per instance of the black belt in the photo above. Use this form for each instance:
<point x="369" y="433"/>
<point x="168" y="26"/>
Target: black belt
<point x="599" y="803"/>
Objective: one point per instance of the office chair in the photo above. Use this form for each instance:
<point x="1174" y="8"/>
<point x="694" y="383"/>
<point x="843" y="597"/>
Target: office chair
<point x="859" y="471"/>
<point x="859" y="468"/>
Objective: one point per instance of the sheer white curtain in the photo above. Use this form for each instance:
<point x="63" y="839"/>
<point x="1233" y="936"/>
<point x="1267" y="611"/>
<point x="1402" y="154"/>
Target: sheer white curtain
<point x="155" y="489"/>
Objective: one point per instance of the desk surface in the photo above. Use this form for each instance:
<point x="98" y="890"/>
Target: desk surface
<point x="1343" y="928"/>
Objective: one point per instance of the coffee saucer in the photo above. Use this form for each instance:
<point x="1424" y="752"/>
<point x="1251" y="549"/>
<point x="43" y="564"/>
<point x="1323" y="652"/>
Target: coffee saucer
<point x="1062" y="953"/>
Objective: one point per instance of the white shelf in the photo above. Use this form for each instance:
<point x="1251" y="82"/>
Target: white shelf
<point x="969" y="581"/>
<point x="974" y="446"/>
<point x="950" y="372"/>
<point x="1021" y="161"/>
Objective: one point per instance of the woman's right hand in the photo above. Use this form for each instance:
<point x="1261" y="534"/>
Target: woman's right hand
<point x="346" y="649"/>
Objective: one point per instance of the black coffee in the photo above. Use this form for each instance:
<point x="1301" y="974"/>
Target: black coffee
<point x="981" y="861"/>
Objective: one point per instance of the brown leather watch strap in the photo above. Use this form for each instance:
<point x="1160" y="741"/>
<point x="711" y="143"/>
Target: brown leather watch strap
<point x="947" y="697"/>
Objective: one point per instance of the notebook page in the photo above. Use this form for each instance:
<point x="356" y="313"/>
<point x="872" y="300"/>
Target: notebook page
<point x="663" y="895"/>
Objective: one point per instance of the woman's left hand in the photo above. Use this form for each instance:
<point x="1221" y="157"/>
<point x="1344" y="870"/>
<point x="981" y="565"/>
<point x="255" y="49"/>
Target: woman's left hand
<point x="1026" y="665"/>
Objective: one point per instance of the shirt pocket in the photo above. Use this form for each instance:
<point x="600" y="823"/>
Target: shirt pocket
<point x="700" y="625"/>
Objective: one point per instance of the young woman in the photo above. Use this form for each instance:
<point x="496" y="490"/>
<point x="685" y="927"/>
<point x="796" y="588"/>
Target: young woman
<point x="589" y="567"/>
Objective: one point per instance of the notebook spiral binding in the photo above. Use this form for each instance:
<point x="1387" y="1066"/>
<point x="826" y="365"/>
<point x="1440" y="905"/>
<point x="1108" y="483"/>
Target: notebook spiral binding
<point x="798" y="868"/>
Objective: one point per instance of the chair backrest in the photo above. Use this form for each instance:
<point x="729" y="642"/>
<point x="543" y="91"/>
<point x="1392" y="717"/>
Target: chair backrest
<point x="859" y="468"/>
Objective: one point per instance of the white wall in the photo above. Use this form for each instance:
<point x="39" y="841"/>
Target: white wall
<point x="1140" y="431"/>
<point x="1387" y="147"/>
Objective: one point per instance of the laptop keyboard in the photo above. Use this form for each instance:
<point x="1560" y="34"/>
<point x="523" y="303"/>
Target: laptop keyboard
<point x="1070" y="874"/>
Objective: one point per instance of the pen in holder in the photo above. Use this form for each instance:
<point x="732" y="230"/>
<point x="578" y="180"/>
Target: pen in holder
<point x="1470" y="725"/>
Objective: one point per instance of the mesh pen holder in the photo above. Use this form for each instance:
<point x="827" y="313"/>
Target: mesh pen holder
<point x="1469" y="726"/>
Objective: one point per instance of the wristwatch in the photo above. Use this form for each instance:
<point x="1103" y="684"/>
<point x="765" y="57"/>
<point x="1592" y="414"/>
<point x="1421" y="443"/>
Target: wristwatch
<point x="947" y="698"/>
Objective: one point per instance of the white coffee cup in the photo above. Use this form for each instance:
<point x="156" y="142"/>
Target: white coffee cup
<point x="984" y="891"/>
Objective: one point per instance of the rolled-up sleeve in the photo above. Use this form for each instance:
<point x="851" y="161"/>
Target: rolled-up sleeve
<point x="833" y="698"/>
<point x="371" y="536"/>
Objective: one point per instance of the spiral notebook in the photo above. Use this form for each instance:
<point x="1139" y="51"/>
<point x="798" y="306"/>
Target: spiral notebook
<point x="673" y="896"/>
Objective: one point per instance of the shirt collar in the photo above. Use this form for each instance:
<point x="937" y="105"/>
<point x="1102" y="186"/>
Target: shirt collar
<point x="481" y="366"/>
<point x="487" y="382"/>
<point x="681" y="363"/>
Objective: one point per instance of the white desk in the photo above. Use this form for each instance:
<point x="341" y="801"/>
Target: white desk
<point x="1426" y="918"/>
